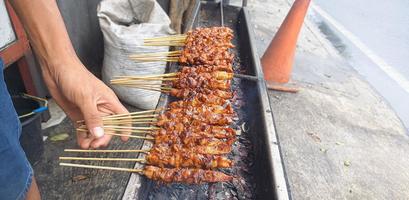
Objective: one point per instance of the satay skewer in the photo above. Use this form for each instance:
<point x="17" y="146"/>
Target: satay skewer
<point x="149" y="76"/>
<point x="102" y="167"/>
<point x="213" y="35"/>
<point x="167" y="175"/>
<point x="200" y="149"/>
<point x="218" y="75"/>
<point x="139" y="114"/>
<point x="157" y="54"/>
<point x="104" y="159"/>
<point x="170" y="160"/>
<point x="107" y="150"/>
<point x="127" y="135"/>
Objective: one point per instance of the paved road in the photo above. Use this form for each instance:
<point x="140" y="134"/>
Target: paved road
<point x="374" y="35"/>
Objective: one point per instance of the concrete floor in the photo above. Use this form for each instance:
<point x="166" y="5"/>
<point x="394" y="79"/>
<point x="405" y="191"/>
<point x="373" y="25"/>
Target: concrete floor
<point x="338" y="137"/>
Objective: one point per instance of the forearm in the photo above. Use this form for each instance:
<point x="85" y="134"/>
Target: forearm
<point x="79" y="93"/>
<point x="47" y="34"/>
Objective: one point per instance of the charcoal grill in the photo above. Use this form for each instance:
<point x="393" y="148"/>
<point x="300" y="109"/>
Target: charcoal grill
<point x="256" y="153"/>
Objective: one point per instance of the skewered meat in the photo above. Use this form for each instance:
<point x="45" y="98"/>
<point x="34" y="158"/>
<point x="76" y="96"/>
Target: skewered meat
<point x="187" y="106"/>
<point x="221" y="149"/>
<point x="214" y="36"/>
<point x="211" y="68"/>
<point x="203" y="130"/>
<point x="187" y="117"/>
<point x="206" y="55"/>
<point x="208" y="46"/>
<point x="191" y="141"/>
<point x="199" y="78"/>
<point x="183" y="175"/>
<point x="201" y="82"/>
<point x="207" y="99"/>
<point x="191" y="160"/>
<point x="217" y="71"/>
<point x="188" y="93"/>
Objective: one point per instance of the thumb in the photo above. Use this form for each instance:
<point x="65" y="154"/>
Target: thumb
<point x="93" y="120"/>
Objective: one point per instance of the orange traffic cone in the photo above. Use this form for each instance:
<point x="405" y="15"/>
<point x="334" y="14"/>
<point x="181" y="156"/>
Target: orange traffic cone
<point x="278" y="59"/>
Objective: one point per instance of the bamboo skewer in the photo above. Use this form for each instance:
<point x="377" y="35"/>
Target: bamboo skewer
<point x="121" y="130"/>
<point x="157" y="89"/>
<point x="142" y="79"/>
<point x="107" y="150"/>
<point x="127" y="114"/>
<point x="150" y="132"/>
<point x="148" y="76"/>
<point x="133" y="128"/>
<point x="133" y="113"/>
<point x="166" y="38"/>
<point x="128" y="130"/>
<point x="177" y="40"/>
<point x="131" y="136"/>
<point x="102" y="167"/>
<point x="119" y="122"/>
<point x="164" y="44"/>
<point x="173" y="59"/>
<point x="133" y="117"/>
<point x="125" y="122"/>
<point x="104" y="159"/>
<point x="157" y="54"/>
<point x="171" y="56"/>
<point x="124" y="127"/>
<point x="144" y="84"/>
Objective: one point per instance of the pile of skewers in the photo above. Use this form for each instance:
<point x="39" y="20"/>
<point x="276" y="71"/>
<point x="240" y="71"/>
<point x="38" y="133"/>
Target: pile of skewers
<point x="191" y="137"/>
<point x="202" y="46"/>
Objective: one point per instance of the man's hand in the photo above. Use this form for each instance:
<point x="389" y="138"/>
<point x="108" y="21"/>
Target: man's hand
<point x="82" y="96"/>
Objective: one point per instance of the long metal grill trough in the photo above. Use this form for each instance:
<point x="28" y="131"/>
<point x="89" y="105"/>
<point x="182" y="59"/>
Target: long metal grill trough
<point x="257" y="169"/>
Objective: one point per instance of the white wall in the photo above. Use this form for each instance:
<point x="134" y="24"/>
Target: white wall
<point x="6" y="30"/>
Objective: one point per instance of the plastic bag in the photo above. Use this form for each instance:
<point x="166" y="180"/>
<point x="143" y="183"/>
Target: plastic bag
<point x="124" y="24"/>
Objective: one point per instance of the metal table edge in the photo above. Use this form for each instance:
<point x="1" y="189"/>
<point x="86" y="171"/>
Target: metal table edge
<point x="279" y="175"/>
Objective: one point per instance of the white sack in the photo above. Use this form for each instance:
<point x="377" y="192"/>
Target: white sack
<point x="124" y="24"/>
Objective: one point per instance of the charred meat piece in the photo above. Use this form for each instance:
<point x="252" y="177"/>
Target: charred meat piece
<point x="218" y="36"/>
<point x="188" y="107"/>
<point x="197" y="131"/>
<point x="188" y="141"/>
<point x="187" y="160"/>
<point x="212" y="68"/>
<point x="188" y="117"/>
<point x="188" y="93"/>
<point x="221" y="149"/>
<point x="206" y="56"/>
<point x="217" y="71"/>
<point x="199" y="78"/>
<point x="208" y="46"/>
<point x="183" y="175"/>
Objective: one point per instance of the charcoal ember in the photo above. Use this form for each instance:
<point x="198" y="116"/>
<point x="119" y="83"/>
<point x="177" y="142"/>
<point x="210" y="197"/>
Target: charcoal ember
<point x="243" y="153"/>
<point x="238" y="103"/>
<point x="212" y="191"/>
<point x="239" y="185"/>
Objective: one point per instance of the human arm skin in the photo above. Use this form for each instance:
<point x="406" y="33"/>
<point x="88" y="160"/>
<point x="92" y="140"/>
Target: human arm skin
<point x="77" y="91"/>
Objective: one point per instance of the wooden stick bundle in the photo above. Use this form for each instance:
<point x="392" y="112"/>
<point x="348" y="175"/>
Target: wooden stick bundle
<point x="170" y="56"/>
<point x="102" y="167"/>
<point x="107" y="150"/>
<point x="174" y="40"/>
<point x="104" y="159"/>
